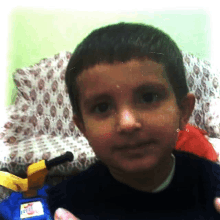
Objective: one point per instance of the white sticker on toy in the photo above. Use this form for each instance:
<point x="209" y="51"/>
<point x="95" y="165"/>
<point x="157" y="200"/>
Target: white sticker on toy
<point x="31" y="209"/>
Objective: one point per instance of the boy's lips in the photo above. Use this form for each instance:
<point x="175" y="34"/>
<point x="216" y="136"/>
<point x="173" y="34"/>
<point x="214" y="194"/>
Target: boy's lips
<point x="135" y="146"/>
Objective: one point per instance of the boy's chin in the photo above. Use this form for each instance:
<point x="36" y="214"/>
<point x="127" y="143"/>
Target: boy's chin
<point x="135" y="167"/>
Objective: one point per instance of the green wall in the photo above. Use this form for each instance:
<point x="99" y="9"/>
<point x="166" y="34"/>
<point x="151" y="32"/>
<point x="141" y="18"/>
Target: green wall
<point x="35" y="34"/>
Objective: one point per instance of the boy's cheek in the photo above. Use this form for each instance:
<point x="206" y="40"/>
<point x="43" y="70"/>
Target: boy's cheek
<point x="101" y="133"/>
<point x="106" y="135"/>
<point x="99" y="140"/>
<point x="104" y="130"/>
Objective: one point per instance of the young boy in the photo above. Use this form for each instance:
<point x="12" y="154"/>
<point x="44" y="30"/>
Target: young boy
<point x="128" y="91"/>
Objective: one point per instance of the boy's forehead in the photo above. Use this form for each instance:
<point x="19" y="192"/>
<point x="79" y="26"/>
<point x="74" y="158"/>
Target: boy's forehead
<point x="130" y="65"/>
<point x="125" y="71"/>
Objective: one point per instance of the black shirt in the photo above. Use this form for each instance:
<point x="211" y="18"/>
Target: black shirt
<point x="95" y="194"/>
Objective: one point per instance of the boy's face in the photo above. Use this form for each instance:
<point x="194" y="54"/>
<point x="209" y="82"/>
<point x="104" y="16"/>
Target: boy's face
<point x="130" y="115"/>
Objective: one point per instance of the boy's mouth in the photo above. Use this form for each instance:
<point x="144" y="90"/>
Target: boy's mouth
<point x="135" y="146"/>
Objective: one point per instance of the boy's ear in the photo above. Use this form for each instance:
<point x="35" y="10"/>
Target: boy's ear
<point x="79" y="123"/>
<point x="187" y="106"/>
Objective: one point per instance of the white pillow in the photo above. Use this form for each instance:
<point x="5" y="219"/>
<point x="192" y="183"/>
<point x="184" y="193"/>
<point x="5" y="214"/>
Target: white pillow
<point x="212" y="117"/>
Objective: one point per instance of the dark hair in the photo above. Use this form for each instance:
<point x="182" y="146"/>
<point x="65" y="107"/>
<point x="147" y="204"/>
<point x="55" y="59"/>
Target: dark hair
<point x="123" y="42"/>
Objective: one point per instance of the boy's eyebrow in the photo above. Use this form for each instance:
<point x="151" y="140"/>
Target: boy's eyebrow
<point x="96" y="98"/>
<point x="154" y="87"/>
<point x="151" y="87"/>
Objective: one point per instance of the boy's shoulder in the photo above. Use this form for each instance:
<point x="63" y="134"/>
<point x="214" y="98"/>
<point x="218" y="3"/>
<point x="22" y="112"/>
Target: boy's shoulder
<point x="78" y="190"/>
<point x="198" y="169"/>
<point x="193" y="158"/>
<point x="193" y="161"/>
<point x="86" y="181"/>
<point x="90" y="175"/>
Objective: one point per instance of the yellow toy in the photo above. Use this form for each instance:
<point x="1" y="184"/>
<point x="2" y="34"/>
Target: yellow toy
<point x="36" y="174"/>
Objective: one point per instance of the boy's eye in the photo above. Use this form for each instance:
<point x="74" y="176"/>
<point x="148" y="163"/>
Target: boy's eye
<point x="149" y="97"/>
<point x="101" y="108"/>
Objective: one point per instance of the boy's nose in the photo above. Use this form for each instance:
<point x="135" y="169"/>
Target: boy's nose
<point x="127" y="122"/>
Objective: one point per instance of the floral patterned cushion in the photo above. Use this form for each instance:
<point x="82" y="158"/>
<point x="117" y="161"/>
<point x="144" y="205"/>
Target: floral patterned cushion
<point x="42" y="88"/>
<point x="17" y="126"/>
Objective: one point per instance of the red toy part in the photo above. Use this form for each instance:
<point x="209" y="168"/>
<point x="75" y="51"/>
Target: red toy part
<point x="193" y="140"/>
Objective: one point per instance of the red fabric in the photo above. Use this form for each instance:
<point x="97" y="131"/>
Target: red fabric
<point x="193" y="140"/>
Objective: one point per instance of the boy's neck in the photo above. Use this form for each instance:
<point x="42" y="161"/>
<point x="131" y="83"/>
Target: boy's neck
<point x="146" y="181"/>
